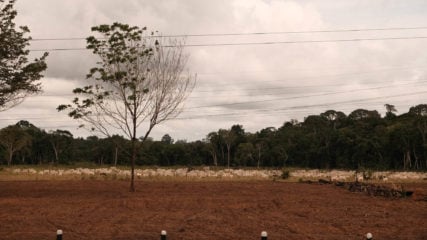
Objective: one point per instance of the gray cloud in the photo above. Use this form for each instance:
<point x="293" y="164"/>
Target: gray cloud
<point x="304" y="79"/>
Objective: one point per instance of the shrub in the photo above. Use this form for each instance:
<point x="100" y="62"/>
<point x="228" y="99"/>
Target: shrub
<point x="285" y="174"/>
<point x="367" y="174"/>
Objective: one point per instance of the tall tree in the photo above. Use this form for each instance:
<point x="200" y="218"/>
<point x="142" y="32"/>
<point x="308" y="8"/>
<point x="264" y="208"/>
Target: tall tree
<point x="139" y="79"/>
<point x="229" y="137"/>
<point x="167" y="139"/>
<point x="60" y="140"/>
<point x="212" y="141"/>
<point x="118" y="144"/>
<point x="420" y="114"/>
<point x="334" y="118"/>
<point x="13" y="138"/>
<point x="18" y="76"/>
<point x="390" y="111"/>
<point x="245" y="154"/>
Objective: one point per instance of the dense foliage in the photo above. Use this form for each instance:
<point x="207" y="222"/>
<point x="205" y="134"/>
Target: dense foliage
<point x="363" y="139"/>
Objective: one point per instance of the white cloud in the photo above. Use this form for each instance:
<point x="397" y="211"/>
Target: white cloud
<point x="296" y="75"/>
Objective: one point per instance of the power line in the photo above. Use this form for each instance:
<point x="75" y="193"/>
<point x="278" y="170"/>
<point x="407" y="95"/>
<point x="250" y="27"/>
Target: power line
<point x="391" y="69"/>
<point x="273" y="109"/>
<point x="303" y="106"/>
<point x="279" y="87"/>
<point x="295" y="97"/>
<point x="304" y="41"/>
<point x="302" y="110"/>
<point x="263" y="112"/>
<point x="245" y="82"/>
<point x="253" y="33"/>
<point x="316" y="94"/>
<point x="418" y="82"/>
<point x="259" y="43"/>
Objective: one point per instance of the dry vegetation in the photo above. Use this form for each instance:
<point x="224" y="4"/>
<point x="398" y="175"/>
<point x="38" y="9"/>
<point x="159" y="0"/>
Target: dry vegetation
<point x="203" y="173"/>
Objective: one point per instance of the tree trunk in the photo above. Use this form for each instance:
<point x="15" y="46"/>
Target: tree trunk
<point x="9" y="161"/>
<point x="285" y="159"/>
<point x="132" y="172"/>
<point x="228" y="155"/>
<point x="222" y="154"/>
<point x="416" y="163"/>
<point x="407" y="162"/>
<point x="56" y="153"/>
<point x="115" y="156"/>
<point x="215" y="158"/>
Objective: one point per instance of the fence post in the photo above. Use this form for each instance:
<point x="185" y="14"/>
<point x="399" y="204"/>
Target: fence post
<point x="163" y="235"/>
<point x="369" y="236"/>
<point x="263" y="235"/>
<point x="59" y="234"/>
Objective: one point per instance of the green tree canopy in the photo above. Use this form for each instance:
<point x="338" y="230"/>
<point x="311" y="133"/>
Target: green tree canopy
<point x="18" y="76"/>
<point x="13" y="138"/>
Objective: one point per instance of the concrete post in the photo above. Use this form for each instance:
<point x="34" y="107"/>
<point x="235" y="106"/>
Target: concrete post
<point x="263" y="235"/>
<point x="163" y="235"/>
<point x="59" y="234"/>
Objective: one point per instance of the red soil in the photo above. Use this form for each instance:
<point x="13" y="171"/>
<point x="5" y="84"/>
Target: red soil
<point x="203" y="210"/>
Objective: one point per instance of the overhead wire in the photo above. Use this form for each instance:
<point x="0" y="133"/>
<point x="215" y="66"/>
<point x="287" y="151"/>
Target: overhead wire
<point x="303" y="106"/>
<point x="257" y="43"/>
<point x="271" y="43"/>
<point x="416" y="82"/>
<point x="294" y="97"/>
<point x="293" y="79"/>
<point x="253" y="33"/>
<point x="272" y="109"/>
<point x="391" y="69"/>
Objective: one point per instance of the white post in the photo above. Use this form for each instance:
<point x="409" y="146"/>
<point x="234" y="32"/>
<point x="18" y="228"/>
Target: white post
<point x="263" y="235"/>
<point x="369" y="236"/>
<point x="59" y="234"/>
<point x="163" y="235"/>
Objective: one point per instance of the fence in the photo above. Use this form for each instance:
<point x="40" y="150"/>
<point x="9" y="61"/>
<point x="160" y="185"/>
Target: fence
<point x="163" y="235"/>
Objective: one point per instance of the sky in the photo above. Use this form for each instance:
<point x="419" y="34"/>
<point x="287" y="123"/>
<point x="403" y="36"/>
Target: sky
<point x="256" y="85"/>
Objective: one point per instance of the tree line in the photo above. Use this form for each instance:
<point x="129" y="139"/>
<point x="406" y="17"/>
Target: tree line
<point x="362" y="139"/>
<point x="141" y="78"/>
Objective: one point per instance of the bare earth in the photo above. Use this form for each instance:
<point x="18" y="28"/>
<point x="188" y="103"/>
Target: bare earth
<point x="203" y="210"/>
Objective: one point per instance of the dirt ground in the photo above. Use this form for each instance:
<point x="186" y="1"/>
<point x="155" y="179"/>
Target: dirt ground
<point x="203" y="210"/>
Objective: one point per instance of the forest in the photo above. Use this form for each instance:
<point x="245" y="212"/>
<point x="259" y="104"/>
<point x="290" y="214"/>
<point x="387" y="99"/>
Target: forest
<point x="331" y="140"/>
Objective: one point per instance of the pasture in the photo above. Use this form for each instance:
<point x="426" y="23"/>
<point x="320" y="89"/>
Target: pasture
<point x="198" y="209"/>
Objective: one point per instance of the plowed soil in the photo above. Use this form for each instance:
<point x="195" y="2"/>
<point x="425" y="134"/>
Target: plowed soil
<point x="203" y="210"/>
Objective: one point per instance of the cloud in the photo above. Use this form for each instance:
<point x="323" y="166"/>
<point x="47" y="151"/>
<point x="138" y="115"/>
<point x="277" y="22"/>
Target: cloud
<point x="254" y="85"/>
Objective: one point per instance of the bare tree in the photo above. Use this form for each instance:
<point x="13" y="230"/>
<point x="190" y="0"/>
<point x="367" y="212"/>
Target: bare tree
<point x="140" y="80"/>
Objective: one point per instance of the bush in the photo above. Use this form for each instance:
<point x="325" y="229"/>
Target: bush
<point x="285" y="174"/>
<point x="367" y="174"/>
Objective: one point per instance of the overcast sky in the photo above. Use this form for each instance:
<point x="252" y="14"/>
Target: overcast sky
<point x="258" y="86"/>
